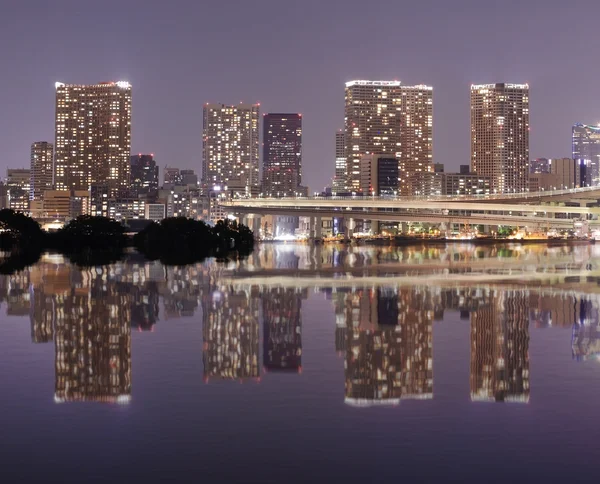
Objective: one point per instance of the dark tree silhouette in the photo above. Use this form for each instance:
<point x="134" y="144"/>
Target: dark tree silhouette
<point x="180" y="240"/>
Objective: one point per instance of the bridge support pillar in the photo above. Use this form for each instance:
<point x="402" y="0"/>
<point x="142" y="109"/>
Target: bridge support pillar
<point x="348" y="227"/>
<point x="318" y="224"/>
<point x="256" y="225"/>
<point x="374" y="227"/>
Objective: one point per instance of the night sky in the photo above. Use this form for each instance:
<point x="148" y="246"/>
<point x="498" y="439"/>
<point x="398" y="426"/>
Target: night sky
<point x="295" y="56"/>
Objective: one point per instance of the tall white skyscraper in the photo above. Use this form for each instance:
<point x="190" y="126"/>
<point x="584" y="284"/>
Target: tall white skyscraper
<point x="230" y="144"/>
<point x="384" y="117"/>
<point x="500" y="135"/>
<point x="92" y="135"/>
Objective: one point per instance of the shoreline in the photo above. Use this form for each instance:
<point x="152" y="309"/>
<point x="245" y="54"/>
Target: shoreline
<point x="433" y="242"/>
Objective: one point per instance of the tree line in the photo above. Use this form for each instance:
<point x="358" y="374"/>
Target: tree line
<point x="93" y="240"/>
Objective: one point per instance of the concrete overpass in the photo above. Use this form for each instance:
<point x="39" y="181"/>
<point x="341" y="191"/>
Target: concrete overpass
<point x="465" y="218"/>
<point x="535" y="210"/>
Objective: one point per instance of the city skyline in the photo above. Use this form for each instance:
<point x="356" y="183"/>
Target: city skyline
<point x="311" y="73"/>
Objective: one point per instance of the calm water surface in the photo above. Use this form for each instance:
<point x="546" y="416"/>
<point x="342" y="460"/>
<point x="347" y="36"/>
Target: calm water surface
<point x="305" y="364"/>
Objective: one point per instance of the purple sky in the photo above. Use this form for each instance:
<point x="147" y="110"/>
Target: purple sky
<point x="295" y="56"/>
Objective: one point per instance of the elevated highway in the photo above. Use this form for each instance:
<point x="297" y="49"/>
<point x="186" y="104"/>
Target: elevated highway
<point x="349" y="203"/>
<point x="556" y="209"/>
<point x="530" y="221"/>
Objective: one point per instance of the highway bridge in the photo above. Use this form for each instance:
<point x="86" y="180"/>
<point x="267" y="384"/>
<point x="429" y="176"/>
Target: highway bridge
<point x="556" y="209"/>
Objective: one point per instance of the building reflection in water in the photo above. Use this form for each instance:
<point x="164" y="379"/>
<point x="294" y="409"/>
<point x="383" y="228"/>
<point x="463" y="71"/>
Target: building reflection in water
<point x="282" y="330"/>
<point x="384" y="333"/>
<point x="231" y="334"/>
<point x="500" y="348"/>
<point x="90" y="317"/>
<point x="388" y="346"/>
<point x="585" y="343"/>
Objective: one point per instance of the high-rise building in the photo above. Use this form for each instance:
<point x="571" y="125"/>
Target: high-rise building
<point x="92" y="135"/>
<point x="465" y="184"/>
<point x="586" y="146"/>
<point x="561" y="174"/>
<point x="18" y="182"/>
<point x="379" y="175"/>
<point x="41" y="169"/>
<point x="384" y="117"/>
<point x="416" y="134"/>
<point x="500" y="135"/>
<point x="143" y="173"/>
<point x="539" y="165"/>
<point x="282" y="154"/>
<point x="340" y="177"/>
<point x="230" y="144"/>
<point x="171" y="176"/>
<point x="189" y="177"/>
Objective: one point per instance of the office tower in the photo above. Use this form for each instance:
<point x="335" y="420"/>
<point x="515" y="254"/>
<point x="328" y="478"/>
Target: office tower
<point x="3" y="195"/>
<point x="539" y="165"/>
<point x="383" y="117"/>
<point x="500" y="135"/>
<point x="282" y="154"/>
<point x="465" y="184"/>
<point x="416" y="134"/>
<point x="340" y="177"/>
<point x="188" y="177"/>
<point x="427" y="184"/>
<point x="282" y="335"/>
<point x="500" y="348"/>
<point x="171" y="176"/>
<point x="561" y="174"/>
<point x="41" y="169"/>
<point x="230" y="145"/>
<point x="92" y="135"/>
<point x="18" y="182"/>
<point x="143" y="173"/>
<point x="586" y="147"/>
<point x="379" y="175"/>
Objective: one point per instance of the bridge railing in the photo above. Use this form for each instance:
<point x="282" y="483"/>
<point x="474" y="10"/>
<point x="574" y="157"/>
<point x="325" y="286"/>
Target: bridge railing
<point x="458" y="198"/>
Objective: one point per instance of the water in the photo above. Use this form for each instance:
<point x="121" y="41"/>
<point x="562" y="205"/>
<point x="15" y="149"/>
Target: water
<point x="300" y="364"/>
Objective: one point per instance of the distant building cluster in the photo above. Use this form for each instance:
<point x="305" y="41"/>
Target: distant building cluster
<point x="89" y="169"/>
<point x="384" y="119"/>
